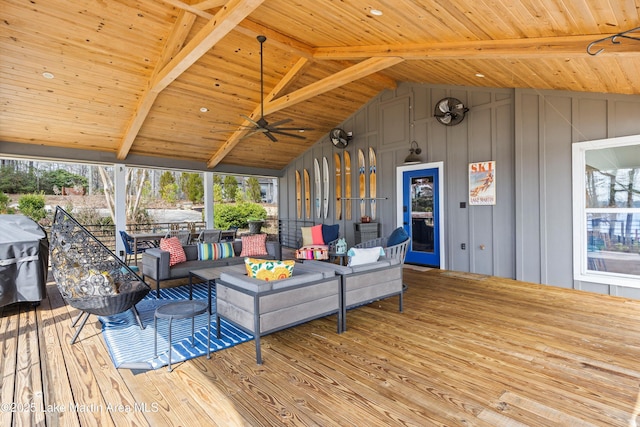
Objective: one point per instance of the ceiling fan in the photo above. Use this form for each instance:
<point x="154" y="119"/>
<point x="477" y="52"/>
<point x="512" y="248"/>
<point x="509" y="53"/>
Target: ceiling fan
<point x="450" y="111"/>
<point x="261" y="125"/>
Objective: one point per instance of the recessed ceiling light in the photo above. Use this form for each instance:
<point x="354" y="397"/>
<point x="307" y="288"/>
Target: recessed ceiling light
<point x="376" y="12"/>
<point x="479" y="75"/>
<point x="47" y="75"/>
<point x="203" y="109"/>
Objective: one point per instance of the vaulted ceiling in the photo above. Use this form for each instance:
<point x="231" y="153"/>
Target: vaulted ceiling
<point x="133" y="77"/>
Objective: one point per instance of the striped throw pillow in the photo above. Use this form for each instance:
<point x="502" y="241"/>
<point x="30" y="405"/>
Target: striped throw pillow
<point x="211" y="251"/>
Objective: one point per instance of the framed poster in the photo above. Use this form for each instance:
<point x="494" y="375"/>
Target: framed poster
<point x="482" y="183"/>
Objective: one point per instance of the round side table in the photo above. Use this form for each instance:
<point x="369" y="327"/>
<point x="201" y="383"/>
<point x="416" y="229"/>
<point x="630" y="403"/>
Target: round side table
<point x="187" y="309"/>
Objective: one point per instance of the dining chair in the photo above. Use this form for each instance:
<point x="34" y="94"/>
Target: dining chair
<point x="129" y="249"/>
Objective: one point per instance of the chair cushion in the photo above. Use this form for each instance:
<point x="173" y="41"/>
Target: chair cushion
<point x="174" y="247"/>
<point x="264" y="269"/>
<point x="316" y="235"/>
<point x="313" y="252"/>
<point x="255" y="244"/>
<point x="397" y="236"/>
<point x="359" y="256"/>
<point x="330" y="232"/>
<point x="212" y="251"/>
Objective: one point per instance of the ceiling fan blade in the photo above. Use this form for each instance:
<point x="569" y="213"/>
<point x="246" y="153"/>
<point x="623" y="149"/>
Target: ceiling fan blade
<point x="288" y="134"/>
<point x="299" y="129"/>
<point x="249" y="119"/>
<point x="271" y="137"/>
<point x="281" y="122"/>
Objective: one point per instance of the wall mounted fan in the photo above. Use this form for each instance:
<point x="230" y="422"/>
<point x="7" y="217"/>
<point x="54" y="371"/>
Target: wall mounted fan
<point x="261" y="125"/>
<point x="339" y="138"/>
<point x="450" y="111"/>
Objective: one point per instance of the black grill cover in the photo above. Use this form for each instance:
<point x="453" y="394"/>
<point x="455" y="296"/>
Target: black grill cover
<point x="24" y="258"/>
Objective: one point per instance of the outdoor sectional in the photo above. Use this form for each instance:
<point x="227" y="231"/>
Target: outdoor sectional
<point x="155" y="262"/>
<point x="261" y="307"/>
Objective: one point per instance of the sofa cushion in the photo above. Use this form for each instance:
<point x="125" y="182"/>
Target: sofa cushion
<point x="174" y="247"/>
<point x="253" y="245"/>
<point x="330" y="232"/>
<point x="213" y="251"/>
<point x="397" y="236"/>
<point x="359" y="256"/>
<point x="269" y="269"/>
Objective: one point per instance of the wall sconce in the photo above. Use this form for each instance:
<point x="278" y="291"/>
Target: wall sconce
<point x="413" y="156"/>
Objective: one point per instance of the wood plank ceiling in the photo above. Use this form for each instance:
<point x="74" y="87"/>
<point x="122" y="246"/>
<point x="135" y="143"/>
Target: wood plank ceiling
<point x="130" y="77"/>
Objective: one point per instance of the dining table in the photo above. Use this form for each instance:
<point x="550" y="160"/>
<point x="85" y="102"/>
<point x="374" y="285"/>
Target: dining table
<point x="148" y="236"/>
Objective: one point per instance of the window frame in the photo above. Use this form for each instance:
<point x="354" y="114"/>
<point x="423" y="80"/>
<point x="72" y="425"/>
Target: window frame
<point x="580" y="211"/>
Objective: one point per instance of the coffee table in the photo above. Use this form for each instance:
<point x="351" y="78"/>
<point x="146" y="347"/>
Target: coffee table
<point x="208" y="275"/>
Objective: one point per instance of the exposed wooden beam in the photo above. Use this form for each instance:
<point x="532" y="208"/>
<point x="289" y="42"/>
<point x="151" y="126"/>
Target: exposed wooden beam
<point x="484" y="49"/>
<point x="209" y="4"/>
<point x="355" y="72"/>
<point x="336" y="80"/>
<point x="248" y="27"/>
<point x="234" y="139"/>
<point x="174" y="43"/>
<point x="219" y="26"/>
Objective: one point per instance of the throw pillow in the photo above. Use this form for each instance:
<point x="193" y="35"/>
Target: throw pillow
<point x="255" y="244"/>
<point x="212" y="251"/>
<point x="307" y="236"/>
<point x="330" y="232"/>
<point x="397" y="236"/>
<point x="359" y="256"/>
<point x="175" y="249"/>
<point x="267" y="270"/>
<point x="316" y="235"/>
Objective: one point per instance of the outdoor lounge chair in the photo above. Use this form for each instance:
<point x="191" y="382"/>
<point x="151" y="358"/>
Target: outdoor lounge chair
<point x="89" y="276"/>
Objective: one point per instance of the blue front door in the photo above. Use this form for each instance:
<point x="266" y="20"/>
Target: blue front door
<point x="420" y="206"/>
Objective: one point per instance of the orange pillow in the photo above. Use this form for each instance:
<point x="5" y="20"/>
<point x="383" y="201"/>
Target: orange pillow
<point x="316" y="235"/>
<point x="255" y="244"/>
<point x="175" y="249"/>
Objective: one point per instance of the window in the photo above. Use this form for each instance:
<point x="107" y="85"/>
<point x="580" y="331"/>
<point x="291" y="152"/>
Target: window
<point x="606" y="205"/>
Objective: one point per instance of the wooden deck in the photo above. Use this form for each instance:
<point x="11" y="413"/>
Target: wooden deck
<point x="468" y="350"/>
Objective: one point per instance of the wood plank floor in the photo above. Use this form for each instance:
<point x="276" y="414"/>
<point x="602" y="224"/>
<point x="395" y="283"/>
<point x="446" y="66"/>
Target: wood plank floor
<point x="468" y="350"/>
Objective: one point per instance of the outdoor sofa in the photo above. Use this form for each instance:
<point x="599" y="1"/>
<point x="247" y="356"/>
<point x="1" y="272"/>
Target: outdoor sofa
<point x="155" y="261"/>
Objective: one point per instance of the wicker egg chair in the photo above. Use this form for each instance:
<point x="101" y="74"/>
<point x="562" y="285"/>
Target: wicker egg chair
<point x="89" y="276"/>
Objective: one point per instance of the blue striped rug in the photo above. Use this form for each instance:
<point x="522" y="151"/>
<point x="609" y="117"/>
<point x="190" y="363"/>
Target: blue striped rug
<point x="132" y="348"/>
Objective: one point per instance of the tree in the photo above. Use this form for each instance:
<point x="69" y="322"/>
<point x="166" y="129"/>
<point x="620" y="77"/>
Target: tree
<point x="230" y="188"/>
<point x="254" y="194"/>
<point x="192" y="186"/>
<point x="134" y="183"/>
<point x="217" y="192"/>
<point x="168" y="187"/>
<point x="60" y="178"/>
